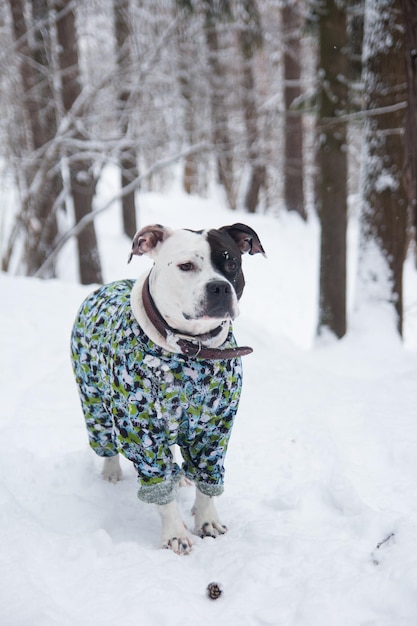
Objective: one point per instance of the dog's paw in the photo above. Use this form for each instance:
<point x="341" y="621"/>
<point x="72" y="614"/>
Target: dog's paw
<point x="206" y="518"/>
<point x="179" y="545"/>
<point x="112" y="472"/>
<point x="174" y="534"/>
<point x="210" y="529"/>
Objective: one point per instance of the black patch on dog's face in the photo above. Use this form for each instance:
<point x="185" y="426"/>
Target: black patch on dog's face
<point x="227" y="259"/>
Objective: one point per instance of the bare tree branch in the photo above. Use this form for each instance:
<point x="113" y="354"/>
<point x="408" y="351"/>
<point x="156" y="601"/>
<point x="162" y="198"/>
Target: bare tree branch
<point x="135" y="184"/>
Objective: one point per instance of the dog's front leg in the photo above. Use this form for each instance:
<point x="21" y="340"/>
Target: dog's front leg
<point x="206" y="520"/>
<point x="174" y="535"/>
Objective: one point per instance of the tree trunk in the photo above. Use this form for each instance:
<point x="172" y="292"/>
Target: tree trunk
<point x="127" y="160"/>
<point x="293" y="126"/>
<point x="250" y="40"/>
<point x="81" y="178"/>
<point x="255" y="160"/>
<point x="38" y="213"/>
<point x="384" y="216"/>
<point x="186" y="50"/>
<point x="220" y="131"/>
<point x="410" y="20"/>
<point x="332" y="164"/>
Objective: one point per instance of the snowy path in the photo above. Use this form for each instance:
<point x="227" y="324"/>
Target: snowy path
<point x="322" y="467"/>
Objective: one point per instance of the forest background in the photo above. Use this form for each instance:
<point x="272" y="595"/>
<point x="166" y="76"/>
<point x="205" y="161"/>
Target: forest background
<point x="305" y="106"/>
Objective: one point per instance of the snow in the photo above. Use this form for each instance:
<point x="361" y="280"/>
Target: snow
<point x="320" y="496"/>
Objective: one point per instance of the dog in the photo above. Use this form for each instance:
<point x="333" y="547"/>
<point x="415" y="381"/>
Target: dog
<point x="156" y="364"/>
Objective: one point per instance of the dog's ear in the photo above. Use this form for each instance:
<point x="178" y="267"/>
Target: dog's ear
<point x="245" y="237"/>
<point x="147" y="238"/>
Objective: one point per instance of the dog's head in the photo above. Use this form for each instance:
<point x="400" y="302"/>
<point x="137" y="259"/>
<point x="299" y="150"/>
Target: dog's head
<point x="197" y="275"/>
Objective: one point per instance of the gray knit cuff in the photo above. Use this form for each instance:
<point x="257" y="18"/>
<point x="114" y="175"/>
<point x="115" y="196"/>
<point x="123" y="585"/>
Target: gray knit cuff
<point x="160" y="493"/>
<point x="210" y="490"/>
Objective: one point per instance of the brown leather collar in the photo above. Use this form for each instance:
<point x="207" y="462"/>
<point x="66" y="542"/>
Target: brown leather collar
<point x="193" y="347"/>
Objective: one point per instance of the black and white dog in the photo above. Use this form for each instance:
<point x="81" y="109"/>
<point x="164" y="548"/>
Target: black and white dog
<point x="156" y="364"/>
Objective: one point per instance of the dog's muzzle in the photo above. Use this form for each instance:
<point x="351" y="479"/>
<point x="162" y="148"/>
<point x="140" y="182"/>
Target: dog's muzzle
<point x="219" y="299"/>
<point x="193" y="346"/>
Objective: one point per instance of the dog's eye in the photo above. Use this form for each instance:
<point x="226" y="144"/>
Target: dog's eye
<point x="230" y="266"/>
<point x="186" y="267"/>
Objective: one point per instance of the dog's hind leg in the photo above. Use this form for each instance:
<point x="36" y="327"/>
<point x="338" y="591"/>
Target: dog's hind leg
<point x="92" y="389"/>
<point x="112" y="471"/>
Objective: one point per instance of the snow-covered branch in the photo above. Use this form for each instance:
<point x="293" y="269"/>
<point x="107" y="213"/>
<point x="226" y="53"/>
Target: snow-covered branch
<point x="134" y="185"/>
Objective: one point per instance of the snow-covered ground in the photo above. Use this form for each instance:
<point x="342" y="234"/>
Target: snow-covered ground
<point x="321" y="480"/>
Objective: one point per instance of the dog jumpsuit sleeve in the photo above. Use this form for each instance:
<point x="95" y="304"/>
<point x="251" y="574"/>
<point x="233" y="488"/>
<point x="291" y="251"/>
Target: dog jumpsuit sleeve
<point x="210" y="419"/>
<point x="143" y="433"/>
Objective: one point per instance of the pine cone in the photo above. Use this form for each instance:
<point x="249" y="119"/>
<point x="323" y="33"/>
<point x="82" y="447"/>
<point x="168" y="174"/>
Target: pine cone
<point x="214" y="591"/>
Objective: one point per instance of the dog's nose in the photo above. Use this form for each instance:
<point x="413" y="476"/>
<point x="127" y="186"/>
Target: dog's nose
<point x="219" y="300"/>
<point x="219" y="288"/>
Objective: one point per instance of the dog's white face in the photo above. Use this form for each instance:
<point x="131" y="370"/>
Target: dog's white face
<point x="197" y="278"/>
<point x="185" y="284"/>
